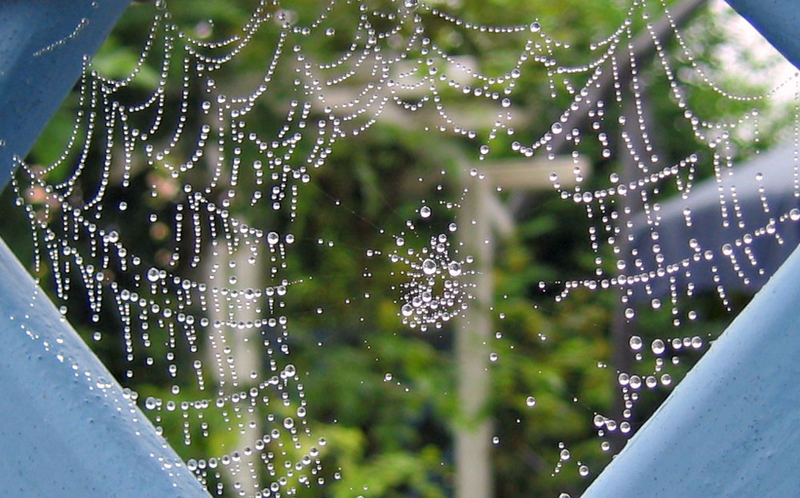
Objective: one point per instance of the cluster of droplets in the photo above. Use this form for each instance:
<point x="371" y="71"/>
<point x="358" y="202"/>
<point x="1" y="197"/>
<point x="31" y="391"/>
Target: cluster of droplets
<point x="437" y="286"/>
<point x="663" y="353"/>
<point x="565" y="458"/>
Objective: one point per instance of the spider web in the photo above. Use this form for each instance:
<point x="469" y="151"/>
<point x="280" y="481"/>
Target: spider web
<point x="208" y="312"/>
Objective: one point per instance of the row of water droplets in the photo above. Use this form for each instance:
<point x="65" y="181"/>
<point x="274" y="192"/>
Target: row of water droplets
<point x="629" y="208"/>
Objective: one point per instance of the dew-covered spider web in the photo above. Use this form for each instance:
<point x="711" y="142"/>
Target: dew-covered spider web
<point x="235" y="201"/>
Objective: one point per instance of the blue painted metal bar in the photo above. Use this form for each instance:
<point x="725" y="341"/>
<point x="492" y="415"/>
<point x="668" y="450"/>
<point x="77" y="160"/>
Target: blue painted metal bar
<point x="729" y="428"/>
<point x="42" y="48"/>
<point x="777" y="20"/>
<point x="66" y="427"/>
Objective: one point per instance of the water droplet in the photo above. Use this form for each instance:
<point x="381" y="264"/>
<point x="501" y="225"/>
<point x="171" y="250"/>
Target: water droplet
<point x="153" y="274"/>
<point x="657" y="346"/>
<point x="454" y="268"/>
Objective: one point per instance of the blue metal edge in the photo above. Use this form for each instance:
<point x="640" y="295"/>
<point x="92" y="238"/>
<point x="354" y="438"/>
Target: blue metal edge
<point x="67" y="427"/>
<point x="43" y="47"/>
<point x="777" y="20"/>
<point x="729" y="428"/>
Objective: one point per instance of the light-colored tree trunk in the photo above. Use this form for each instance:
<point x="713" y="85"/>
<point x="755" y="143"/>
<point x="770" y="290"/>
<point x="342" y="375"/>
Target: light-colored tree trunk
<point x="234" y="354"/>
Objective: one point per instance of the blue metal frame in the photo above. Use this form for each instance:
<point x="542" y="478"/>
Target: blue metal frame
<point x="777" y="20"/>
<point x="43" y="44"/>
<point x="66" y="427"/>
<point x="728" y="429"/>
